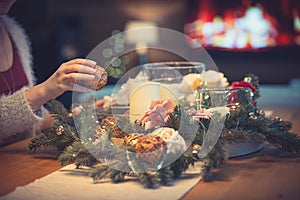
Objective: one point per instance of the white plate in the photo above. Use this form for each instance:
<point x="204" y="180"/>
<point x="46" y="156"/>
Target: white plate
<point x="242" y="149"/>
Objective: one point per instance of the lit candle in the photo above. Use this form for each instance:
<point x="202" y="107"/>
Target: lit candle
<point x="141" y="98"/>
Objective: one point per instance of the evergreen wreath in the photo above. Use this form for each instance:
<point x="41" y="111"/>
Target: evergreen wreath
<point x="245" y="123"/>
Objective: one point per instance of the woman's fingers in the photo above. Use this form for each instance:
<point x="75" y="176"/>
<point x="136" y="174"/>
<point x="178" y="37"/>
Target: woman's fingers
<point x="79" y="68"/>
<point x="79" y="77"/>
<point x="84" y="72"/>
<point x="82" y="61"/>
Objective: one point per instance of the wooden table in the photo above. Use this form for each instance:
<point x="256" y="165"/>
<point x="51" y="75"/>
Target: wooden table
<point x="19" y="166"/>
<point x="268" y="174"/>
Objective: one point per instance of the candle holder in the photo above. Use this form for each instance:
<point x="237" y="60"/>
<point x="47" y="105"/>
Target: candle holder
<point x="177" y="80"/>
<point x="172" y="72"/>
<point x="231" y="98"/>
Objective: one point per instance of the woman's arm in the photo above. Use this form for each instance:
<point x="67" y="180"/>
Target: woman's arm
<point x="19" y="111"/>
<point x="62" y="80"/>
<point x="15" y="114"/>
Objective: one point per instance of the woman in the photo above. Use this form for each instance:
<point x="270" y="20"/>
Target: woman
<point x="21" y="102"/>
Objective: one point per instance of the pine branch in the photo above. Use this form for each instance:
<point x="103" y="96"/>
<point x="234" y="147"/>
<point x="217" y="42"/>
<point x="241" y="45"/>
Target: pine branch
<point x="174" y="119"/>
<point x="42" y="141"/>
<point x="117" y="176"/>
<point x="241" y="134"/>
<point x="182" y="164"/>
<point x="127" y="127"/>
<point x="78" y="154"/>
<point x="283" y="140"/>
<point x="165" y="175"/>
<point x="148" y="180"/>
<point x="99" y="172"/>
<point x="255" y="82"/>
<point x="188" y="127"/>
<point x="56" y="107"/>
<point x="216" y="156"/>
<point x="50" y="138"/>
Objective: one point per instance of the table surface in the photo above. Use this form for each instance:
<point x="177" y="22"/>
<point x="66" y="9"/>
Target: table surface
<point x="267" y="174"/>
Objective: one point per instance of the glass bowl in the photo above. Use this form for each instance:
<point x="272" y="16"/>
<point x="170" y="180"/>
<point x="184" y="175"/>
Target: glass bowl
<point x="232" y="98"/>
<point x="172" y="72"/>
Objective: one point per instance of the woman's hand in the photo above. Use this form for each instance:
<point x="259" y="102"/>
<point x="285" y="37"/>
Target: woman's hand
<point x="62" y="80"/>
<point x="67" y="74"/>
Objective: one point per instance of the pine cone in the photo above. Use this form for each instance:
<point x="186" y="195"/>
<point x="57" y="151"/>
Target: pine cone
<point x="111" y="124"/>
<point x="99" y="81"/>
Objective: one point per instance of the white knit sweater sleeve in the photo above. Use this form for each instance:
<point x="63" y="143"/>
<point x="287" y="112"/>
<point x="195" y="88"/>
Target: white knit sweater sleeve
<point x="16" y="115"/>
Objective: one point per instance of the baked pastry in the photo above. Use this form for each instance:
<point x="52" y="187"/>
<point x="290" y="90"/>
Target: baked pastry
<point x="149" y="148"/>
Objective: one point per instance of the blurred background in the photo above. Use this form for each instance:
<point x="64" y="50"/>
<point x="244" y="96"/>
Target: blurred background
<point x="242" y="36"/>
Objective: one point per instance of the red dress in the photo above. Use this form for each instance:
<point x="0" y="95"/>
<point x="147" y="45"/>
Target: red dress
<point x="15" y="77"/>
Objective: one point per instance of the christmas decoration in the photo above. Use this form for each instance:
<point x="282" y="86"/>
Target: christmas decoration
<point x="59" y="130"/>
<point x="110" y="123"/>
<point x="144" y="144"/>
<point x="244" y="123"/>
<point x="98" y="82"/>
<point x="157" y="114"/>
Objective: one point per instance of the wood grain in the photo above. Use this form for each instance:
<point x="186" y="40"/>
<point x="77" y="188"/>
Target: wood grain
<point x="268" y="174"/>
<point x="19" y="166"/>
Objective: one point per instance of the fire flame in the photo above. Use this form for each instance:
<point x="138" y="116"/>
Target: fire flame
<point x="254" y="28"/>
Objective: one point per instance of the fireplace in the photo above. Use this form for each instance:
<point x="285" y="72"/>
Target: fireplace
<point x="244" y="24"/>
<point x="245" y="36"/>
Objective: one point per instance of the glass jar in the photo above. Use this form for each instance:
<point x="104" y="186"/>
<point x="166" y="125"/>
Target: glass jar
<point x="177" y="80"/>
<point x="172" y="72"/>
<point x="232" y="98"/>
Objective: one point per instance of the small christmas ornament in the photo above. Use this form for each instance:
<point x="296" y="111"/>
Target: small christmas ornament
<point x="260" y="112"/>
<point x="248" y="79"/>
<point x="196" y="149"/>
<point x="69" y="115"/>
<point x="60" y="130"/>
<point x="138" y="122"/>
<point x="252" y="115"/>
